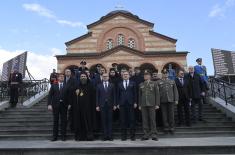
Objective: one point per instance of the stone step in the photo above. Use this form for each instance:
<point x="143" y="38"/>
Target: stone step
<point x="21" y="116"/>
<point x="36" y="123"/>
<point x="36" y="136"/>
<point x="23" y="130"/>
<point x="50" y="119"/>
<point x="165" y="146"/>
<point x="49" y="125"/>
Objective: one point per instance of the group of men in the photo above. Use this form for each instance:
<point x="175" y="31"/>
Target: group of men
<point x="144" y="96"/>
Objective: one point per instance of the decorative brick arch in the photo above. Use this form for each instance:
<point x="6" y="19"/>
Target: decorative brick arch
<point x="101" y="44"/>
<point x="176" y="65"/>
<point x="147" y="66"/>
<point x="92" y="67"/>
<point x="72" y="68"/>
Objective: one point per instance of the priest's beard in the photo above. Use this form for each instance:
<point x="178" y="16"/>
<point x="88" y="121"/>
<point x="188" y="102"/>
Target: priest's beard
<point x="83" y="81"/>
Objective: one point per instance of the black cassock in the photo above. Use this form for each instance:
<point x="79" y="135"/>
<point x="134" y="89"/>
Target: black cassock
<point x="84" y="112"/>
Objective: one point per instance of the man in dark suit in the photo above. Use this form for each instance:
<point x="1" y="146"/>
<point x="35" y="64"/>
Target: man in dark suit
<point x="126" y="101"/>
<point x="98" y="77"/>
<point x="105" y="102"/>
<point x="183" y="87"/>
<point x="57" y="103"/>
<point x="70" y="83"/>
<point x="15" y="80"/>
<point x="137" y="78"/>
<point x="97" y="80"/>
<point x="53" y="77"/>
<point x="197" y="90"/>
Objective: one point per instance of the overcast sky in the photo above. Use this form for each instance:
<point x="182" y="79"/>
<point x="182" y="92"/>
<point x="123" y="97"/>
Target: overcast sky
<point x="43" y="26"/>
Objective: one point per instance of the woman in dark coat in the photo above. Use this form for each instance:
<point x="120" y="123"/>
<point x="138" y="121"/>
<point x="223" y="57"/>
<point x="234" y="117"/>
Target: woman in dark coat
<point x="84" y="110"/>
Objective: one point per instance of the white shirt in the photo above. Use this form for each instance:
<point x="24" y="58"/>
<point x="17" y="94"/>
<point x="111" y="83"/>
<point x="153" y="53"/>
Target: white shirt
<point x="192" y="75"/>
<point x="67" y="79"/>
<point x="124" y="83"/>
<point x="60" y="85"/>
<point x="181" y="80"/>
<point x="106" y="84"/>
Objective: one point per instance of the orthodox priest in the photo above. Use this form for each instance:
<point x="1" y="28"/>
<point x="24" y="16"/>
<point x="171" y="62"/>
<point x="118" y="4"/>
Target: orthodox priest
<point x="84" y="110"/>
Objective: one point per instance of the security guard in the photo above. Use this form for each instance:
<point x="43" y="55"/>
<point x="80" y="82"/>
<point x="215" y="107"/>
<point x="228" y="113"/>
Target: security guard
<point x="168" y="98"/>
<point x="202" y="72"/>
<point x="14" y="82"/>
<point x="149" y="100"/>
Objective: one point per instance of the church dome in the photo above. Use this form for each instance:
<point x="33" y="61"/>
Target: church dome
<point x="119" y="11"/>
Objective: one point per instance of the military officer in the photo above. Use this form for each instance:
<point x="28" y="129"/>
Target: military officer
<point x="149" y="100"/>
<point x="201" y="70"/>
<point x="168" y="98"/>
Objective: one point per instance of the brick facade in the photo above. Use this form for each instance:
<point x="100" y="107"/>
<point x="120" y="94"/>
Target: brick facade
<point x="150" y="47"/>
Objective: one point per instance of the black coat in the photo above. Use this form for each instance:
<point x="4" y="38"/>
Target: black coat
<point x="97" y="80"/>
<point x="84" y="110"/>
<point x="138" y="79"/>
<point x="56" y="95"/>
<point x="70" y="86"/>
<point x="196" y="86"/>
<point x="104" y="97"/>
<point x="126" y="95"/>
<point x="183" y="90"/>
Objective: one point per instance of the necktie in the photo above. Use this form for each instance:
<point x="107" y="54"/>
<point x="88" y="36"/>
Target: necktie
<point x="61" y="86"/>
<point x="181" y="80"/>
<point x="105" y="86"/>
<point x="126" y="84"/>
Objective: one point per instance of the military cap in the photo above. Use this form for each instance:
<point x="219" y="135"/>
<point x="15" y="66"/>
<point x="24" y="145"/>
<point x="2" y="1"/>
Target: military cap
<point x="137" y="68"/>
<point x="147" y="72"/>
<point x="83" y="62"/>
<point x="155" y="71"/>
<point x="114" y="64"/>
<point x="198" y="59"/>
<point x="98" y="65"/>
<point x="112" y="69"/>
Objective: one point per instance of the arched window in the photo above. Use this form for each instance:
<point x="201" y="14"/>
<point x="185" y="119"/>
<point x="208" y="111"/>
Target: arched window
<point x="131" y="43"/>
<point x="109" y="44"/>
<point x="120" y="39"/>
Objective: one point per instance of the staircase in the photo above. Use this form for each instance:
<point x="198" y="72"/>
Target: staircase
<point x="35" y="123"/>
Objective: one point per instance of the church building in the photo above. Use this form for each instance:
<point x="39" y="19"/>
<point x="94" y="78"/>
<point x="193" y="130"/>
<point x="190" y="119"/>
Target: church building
<point x="123" y="38"/>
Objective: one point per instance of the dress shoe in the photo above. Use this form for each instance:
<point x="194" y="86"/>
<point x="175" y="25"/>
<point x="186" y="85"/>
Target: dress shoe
<point x="105" y="139"/>
<point x="188" y="124"/>
<point x="172" y="132"/>
<point x="179" y="124"/>
<point x="144" y="138"/>
<point x="155" y="138"/>
<point x="54" y="139"/>
<point x="123" y="139"/>
<point x="76" y="139"/>
<point x="63" y="139"/>
<point x="133" y="138"/>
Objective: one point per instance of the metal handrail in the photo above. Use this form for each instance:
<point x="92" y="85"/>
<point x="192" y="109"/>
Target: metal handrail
<point x="27" y="89"/>
<point x="222" y="89"/>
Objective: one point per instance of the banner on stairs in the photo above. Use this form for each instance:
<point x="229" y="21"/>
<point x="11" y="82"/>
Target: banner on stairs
<point x="224" y="62"/>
